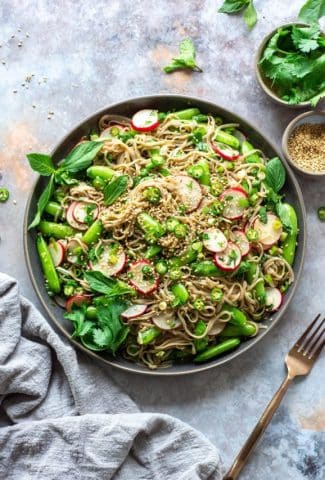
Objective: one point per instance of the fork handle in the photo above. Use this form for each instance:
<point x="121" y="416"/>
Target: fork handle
<point x="261" y="425"/>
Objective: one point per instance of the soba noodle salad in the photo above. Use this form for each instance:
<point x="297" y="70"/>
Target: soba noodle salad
<point x="165" y="236"/>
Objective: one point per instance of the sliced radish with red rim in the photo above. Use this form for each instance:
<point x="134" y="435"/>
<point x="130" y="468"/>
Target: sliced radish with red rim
<point x="235" y="202"/>
<point x="82" y="210"/>
<point x="71" y="219"/>
<point x="273" y="299"/>
<point x="77" y="300"/>
<point x="166" y="321"/>
<point x="134" y="311"/>
<point x="189" y="191"/>
<point x="229" y="259"/>
<point x="225" y="152"/>
<point x="72" y="253"/>
<point x="145" y="120"/>
<point x="111" y="260"/>
<point x="241" y="240"/>
<point x="214" y="240"/>
<point x="269" y="233"/>
<point x="145" y="280"/>
<point x="57" y="251"/>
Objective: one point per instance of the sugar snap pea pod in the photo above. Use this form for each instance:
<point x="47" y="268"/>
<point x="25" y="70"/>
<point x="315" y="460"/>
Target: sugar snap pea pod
<point x="187" y="114"/>
<point x="216" y="350"/>
<point x="189" y="256"/>
<point x="152" y="251"/>
<point x="254" y="157"/>
<point x="48" y="267"/>
<point x="180" y="293"/>
<point x="227" y="138"/>
<point x="207" y="268"/>
<point x="290" y="243"/>
<point x="148" y="335"/>
<point x="259" y="287"/>
<point x="200" y="343"/>
<point x="247" y="330"/>
<point x="200" y="118"/>
<point x="56" y="230"/>
<point x="101" y="171"/>
<point x="93" y="233"/>
<point x="54" y="209"/>
<point x="150" y="226"/>
<point x="237" y="316"/>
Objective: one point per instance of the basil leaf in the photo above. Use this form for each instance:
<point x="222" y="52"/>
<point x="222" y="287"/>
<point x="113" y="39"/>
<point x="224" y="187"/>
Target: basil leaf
<point x="42" y="202"/>
<point x="186" y="58"/>
<point x="109" y="319"/>
<point x="284" y="216"/>
<point x="41" y="163"/>
<point x="232" y="6"/>
<point x="250" y="15"/>
<point x="275" y="174"/>
<point x="108" y="286"/>
<point x="114" y="189"/>
<point x="81" y="157"/>
<point x="311" y="11"/>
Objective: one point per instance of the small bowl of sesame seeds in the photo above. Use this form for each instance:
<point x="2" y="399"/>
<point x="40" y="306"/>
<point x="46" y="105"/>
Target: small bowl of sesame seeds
<point x="303" y="143"/>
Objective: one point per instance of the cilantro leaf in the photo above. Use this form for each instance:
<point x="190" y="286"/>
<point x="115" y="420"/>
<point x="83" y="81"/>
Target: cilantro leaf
<point x="186" y="58"/>
<point x="305" y="38"/>
<point x="312" y="10"/>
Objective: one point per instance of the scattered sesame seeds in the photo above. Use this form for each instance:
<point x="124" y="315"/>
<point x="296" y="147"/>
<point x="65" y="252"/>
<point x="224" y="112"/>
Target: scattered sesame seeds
<point x="14" y="91"/>
<point x="20" y="44"/>
<point x="306" y="147"/>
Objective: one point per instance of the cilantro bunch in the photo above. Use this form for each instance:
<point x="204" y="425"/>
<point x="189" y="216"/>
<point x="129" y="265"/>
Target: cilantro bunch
<point x="294" y="63"/>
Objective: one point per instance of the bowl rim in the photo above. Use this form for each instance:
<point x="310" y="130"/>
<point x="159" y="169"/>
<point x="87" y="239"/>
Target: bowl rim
<point x="259" y="75"/>
<point x="285" y="137"/>
<point x="191" y="368"/>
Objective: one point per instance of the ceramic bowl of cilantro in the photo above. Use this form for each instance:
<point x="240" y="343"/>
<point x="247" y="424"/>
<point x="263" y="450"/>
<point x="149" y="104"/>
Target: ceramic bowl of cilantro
<point x="290" y="64"/>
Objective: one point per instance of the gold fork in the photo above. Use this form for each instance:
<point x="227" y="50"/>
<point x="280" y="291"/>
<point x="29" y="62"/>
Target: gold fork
<point x="300" y="360"/>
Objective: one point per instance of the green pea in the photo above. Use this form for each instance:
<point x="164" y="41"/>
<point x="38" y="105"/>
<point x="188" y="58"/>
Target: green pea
<point x="91" y="313"/>
<point x="217" y="350"/>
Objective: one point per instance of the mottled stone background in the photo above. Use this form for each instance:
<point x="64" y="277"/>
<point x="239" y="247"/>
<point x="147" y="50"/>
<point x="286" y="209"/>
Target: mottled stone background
<point x="84" y="55"/>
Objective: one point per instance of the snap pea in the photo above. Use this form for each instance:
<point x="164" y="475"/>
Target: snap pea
<point x="56" y="230"/>
<point x="200" y="118"/>
<point x="206" y="268"/>
<point x="200" y="343"/>
<point x="227" y="138"/>
<point x="216" y="350"/>
<point x="148" y="335"/>
<point x="247" y="147"/>
<point x="247" y="330"/>
<point x="54" y="209"/>
<point x="102" y="171"/>
<point x="93" y="233"/>
<point x="187" y="114"/>
<point x="161" y="267"/>
<point x="205" y="177"/>
<point x="48" y="267"/>
<point x="237" y="316"/>
<point x="259" y="289"/>
<point x="152" y="251"/>
<point x="290" y="243"/>
<point x="98" y="183"/>
<point x="150" y="226"/>
<point x="189" y="256"/>
<point x="180" y="293"/>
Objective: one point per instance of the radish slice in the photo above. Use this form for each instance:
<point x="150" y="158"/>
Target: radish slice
<point x="189" y="191"/>
<point x="111" y="260"/>
<point x="138" y="278"/>
<point x="234" y="202"/>
<point x="72" y="221"/>
<point x="145" y="120"/>
<point x="134" y="311"/>
<point x="241" y="240"/>
<point x="274" y="299"/>
<point x="269" y="232"/>
<point x="229" y="259"/>
<point x="76" y="300"/>
<point x="57" y="252"/>
<point x="214" y="240"/>
<point x="82" y="209"/>
<point x="166" y="321"/>
<point x="63" y="242"/>
<point x="71" y="256"/>
<point x="225" y="152"/>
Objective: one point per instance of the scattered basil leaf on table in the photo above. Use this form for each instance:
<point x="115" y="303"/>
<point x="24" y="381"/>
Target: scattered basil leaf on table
<point x="275" y="174"/>
<point x="108" y="286"/>
<point x="42" y="202"/>
<point x="41" y="163"/>
<point x="312" y="10"/>
<point x="236" y="6"/>
<point x="81" y="156"/>
<point x="186" y="58"/>
<point x="114" y="189"/>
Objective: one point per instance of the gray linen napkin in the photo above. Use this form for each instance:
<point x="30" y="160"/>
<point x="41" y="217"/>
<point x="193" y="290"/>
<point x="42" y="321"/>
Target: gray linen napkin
<point x="63" y="417"/>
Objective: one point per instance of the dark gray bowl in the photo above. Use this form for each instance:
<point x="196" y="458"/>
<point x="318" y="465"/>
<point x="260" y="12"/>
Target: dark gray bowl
<point x="127" y="108"/>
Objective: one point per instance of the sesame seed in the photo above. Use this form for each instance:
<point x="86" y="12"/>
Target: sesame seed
<point x="306" y="147"/>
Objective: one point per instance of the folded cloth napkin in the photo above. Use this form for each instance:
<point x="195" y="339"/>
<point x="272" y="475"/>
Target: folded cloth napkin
<point x="62" y="417"/>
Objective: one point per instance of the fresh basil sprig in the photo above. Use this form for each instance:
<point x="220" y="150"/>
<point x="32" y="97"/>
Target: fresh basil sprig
<point x="42" y="202"/>
<point x="81" y="157"/>
<point x="275" y="174"/>
<point x="114" y="189"/>
<point x="41" y="163"/>
<point x="185" y="59"/>
<point x="236" y="6"/>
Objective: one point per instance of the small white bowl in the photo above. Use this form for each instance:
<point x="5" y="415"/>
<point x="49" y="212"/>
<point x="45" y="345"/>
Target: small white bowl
<point x="307" y="117"/>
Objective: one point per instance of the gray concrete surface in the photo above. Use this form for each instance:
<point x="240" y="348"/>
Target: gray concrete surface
<point x="84" y="55"/>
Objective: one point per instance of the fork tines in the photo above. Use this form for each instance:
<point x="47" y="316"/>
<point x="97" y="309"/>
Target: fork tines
<point x="312" y="340"/>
